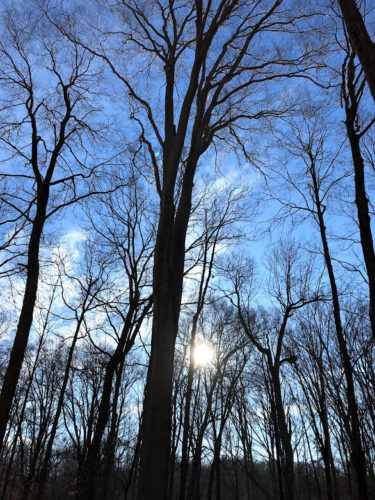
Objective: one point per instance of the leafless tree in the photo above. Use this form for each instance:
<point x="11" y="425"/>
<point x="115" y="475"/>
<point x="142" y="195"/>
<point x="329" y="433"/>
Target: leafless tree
<point x="352" y="93"/>
<point x="308" y="145"/>
<point x="219" y="46"/>
<point x="127" y="232"/>
<point x="45" y="132"/>
<point x="293" y="289"/>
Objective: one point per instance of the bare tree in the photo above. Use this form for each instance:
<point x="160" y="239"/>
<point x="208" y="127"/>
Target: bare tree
<point x="127" y="233"/>
<point x="217" y="44"/>
<point x="293" y="290"/>
<point x="311" y="347"/>
<point x="89" y="289"/>
<point x="308" y="145"/>
<point x="45" y="134"/>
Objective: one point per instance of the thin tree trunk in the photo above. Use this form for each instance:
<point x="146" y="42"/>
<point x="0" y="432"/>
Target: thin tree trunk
<point x="134" y="464"/>
<point x="186" y="426"/>
<point x="329" y="466"/>
<point x="357" y="454"/>
<point x="86" y="478"/>
<point x="218" y="471"/>
<point x="43" y="474"/>
<point x="111" y="444"/>
<point x="287" y="455"/>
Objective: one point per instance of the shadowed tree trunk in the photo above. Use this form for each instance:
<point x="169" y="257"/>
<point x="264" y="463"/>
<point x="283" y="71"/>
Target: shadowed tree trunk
<point x="352" y="87"/>
<point x="26" y="316"/>
<point x="360" y="40"/>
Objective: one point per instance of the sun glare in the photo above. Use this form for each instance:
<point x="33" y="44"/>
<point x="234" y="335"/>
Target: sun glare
<point x="203" y="355"/>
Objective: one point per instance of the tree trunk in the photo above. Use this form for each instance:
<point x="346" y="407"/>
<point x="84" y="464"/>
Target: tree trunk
<point x="157" y="414"/>
<point x="186" y="425"/>
<point x="86" y="479"/>
<point x="357" y="454"/>
<point x="327" y="456"/>
<point x="363" y="214"/>
<point x="26" y="317"/>
<point x="111" y="442"/>
<point x="287" y="450"/>
<point x="360" y="40"/>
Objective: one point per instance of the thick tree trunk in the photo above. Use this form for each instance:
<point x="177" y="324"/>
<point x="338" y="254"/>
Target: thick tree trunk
<point x="154" y="458"/>
<point x="360" y="40"/>
<point x="363" y="214"/>
<point x="157" y="412"/>
<point x="26" y="317"/>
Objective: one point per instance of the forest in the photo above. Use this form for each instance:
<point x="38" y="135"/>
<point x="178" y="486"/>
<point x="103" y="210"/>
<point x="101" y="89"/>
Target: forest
<point x="187" y="266"/>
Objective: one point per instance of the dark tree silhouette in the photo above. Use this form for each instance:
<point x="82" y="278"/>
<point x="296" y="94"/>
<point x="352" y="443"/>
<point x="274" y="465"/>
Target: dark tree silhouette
<point x="360" y="39"/>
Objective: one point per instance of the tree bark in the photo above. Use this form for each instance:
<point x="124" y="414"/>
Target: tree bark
<point x="360" y="40"/>
<point x="364" y="220"/>
<point x="167" y="289"/>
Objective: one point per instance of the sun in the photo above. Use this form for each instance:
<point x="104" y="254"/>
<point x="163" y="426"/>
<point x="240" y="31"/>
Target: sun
<point x="203" y="355"/>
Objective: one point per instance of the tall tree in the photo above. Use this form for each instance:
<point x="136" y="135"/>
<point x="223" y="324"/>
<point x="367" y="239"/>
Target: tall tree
<point x="44" y="132"/>
<point x="218" y="45"/>
<point x="308" y="145"/>
<point x="293" y="290"/>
